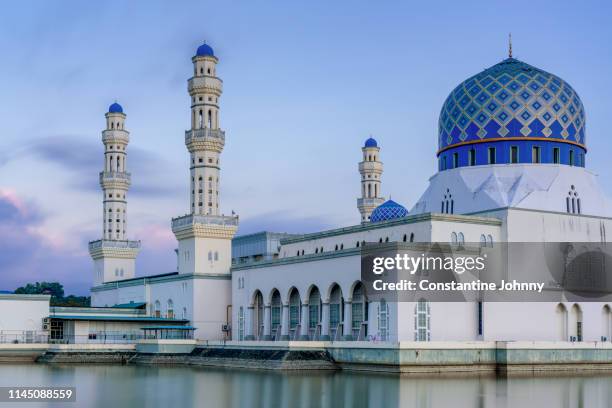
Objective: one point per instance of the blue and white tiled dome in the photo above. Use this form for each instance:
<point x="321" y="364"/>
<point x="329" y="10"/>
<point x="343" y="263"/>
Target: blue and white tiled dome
<point x="388" y="210"/>
<point x="511" y="101"/>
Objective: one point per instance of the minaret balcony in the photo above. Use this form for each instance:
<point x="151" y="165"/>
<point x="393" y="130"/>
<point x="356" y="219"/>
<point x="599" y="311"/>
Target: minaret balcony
<point x="105" y="243"/>
<point x="205" y="83"/>
<point x="115" y="176"/>
<point x="370" y="202"/>
<point x="205" y="226"/>
<point x="204" y="133"/>
<point x="371" y="166"/>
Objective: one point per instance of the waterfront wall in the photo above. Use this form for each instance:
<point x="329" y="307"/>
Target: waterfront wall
<point x="404" y="357"/>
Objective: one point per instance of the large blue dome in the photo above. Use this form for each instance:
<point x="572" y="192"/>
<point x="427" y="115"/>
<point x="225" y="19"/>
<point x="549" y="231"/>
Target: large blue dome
<point x="512" y="104"/>
<point x="205" y="50"/>
<point x="387" y="211"/>
<point x="115" y="108"/>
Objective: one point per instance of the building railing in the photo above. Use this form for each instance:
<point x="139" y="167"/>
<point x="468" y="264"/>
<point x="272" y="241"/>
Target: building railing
<point x="103" y="243"/>
<point x="191" y="219"/>
<point x="370" y="201"/>
<point x="23" y="337"/>
<point x="96" y="338"/>
<point x="204" y="133"/>
<point x="115" y="175"/>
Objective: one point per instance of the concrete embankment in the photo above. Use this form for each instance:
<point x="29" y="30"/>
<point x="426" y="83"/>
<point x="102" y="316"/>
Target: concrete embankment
<point x="405" y="357"/>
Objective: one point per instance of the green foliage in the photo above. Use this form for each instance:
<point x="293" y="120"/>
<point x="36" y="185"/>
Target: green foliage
<point x="56" y="290"/>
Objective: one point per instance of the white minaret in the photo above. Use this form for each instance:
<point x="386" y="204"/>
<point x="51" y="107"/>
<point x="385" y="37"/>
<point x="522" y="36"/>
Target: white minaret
<point x="204" y="236"/>
<point x="371" y="169"/>
<point x="114" y="255"/>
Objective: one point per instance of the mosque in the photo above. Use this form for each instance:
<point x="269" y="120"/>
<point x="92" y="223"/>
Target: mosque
<point x="511" y="168"/>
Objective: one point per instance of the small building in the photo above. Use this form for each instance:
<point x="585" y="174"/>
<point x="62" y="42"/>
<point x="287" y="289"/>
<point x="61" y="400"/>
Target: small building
<point x="260" y="246"/>
<point x="22" y="318"/>
<point x="118" y="324"/>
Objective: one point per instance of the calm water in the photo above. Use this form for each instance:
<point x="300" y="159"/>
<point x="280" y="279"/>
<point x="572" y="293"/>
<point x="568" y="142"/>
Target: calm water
<point x="134" y="386"/>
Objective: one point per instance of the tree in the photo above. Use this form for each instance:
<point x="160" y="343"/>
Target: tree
<point x="56" y="290"/>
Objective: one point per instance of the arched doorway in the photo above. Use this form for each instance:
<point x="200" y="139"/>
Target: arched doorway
<point x="561" y="322"/>
<point x="294" y="313"/>
<point x="575" y="326"/>
<point x="336" y="312"/>
<point x="314" y="314"/>
<point x="275" y="314"/>
<point x="258" y="315"/>
<point x="359" y="313"/>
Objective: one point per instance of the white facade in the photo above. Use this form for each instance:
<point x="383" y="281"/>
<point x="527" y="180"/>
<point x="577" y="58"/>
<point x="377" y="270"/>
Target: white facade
<point x="310" y="288"/>
<point x="22" y="313"/>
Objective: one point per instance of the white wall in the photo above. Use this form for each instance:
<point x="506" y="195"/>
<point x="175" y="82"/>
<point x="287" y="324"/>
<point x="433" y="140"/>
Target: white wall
<point x="23" y="312"/>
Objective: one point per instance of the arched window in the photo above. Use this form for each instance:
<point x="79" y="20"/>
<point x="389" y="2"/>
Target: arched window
<point x="210" y="255"/>
<point x="258" y="318"/>
<point x="412" y="237"/>
<point x="386" y="239"/>
<point x="170" y="309"/>
<point x="314" y="313"/>
<point x="157" y="309"/>
<point x="336" y="248"/>
<point x="575" y="323"/>
<point x="294" y="312"/>
<point x="200" y="120"/>
<point x="448" y="204"/>
<point x="216" y="256"/>
<point x="405" y="238"/>
<point x="572" y="201"/>
<point x="241" y="323"/>
<point x="336" y="306"/>
<point x="460" y="239"/>
<point x="275" y="310"/>
<point x="359" y="313"/>
<point x="383" y="320"/>
<point x="483" y="240"/>
<point x="454" y="238"/>
<point x="210" y="119"/>
<point x="490" y="241"/>
<point x="605" y="324"/>
<point x="184" y="314"/>
<point x="422" y="321"/>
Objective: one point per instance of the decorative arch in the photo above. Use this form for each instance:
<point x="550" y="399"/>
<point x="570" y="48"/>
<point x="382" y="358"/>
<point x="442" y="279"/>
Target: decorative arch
<point x="561" y="312"/>
<point x="575" y="324"/>
<point x="314" y="312"/>
<point x="257" y="302"/>
<point x="295" y="307"/>
<point x="276" y="308"/>
<point x="606" y="313"/>
<point x="359" y="311"/>
<point x="336" y="310"/>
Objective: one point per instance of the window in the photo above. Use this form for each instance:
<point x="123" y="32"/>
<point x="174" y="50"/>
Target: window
<point x="216" y="256"/>
<point x="535" y="154"/>
<point x="412" y="237"/>
<point x="480" y="331"/>
<point x="571" y="157"/>
<point x="572" y="201"/>
<point x="157" y="310"/>
<point x="472" y="157"/>
<point x="383" y="320"/>
<point x="491" y="155"/>
<point x="422" y="321"/>
<point x="241" y="323"/>
<point x="170" y="309"/>
<point x="514" y="154"/>
<point x="455" y="160"/>
<point x="556" y="155"/>
<point x="405" y="238"/>
<point x="483" y="240"/>
<point x="454" y="238"/>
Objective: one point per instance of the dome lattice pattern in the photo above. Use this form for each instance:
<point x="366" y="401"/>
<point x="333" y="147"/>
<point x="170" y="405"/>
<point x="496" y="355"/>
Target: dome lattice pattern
<point x="387" y="211"/>
<point x="512" y="99"/>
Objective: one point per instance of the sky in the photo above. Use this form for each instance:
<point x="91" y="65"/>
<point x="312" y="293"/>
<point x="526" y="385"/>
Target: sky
<point x="305" y="83"/>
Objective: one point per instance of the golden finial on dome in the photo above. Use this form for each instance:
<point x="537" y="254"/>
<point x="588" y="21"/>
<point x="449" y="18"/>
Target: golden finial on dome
<point x="509" y="45"/>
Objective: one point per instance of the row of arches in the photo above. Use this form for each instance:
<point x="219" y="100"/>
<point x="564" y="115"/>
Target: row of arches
<point x="570" y="323"/>
<point x="338" y="247"/>
<point x="169" y="312"/>
<point x="312" y="315"/>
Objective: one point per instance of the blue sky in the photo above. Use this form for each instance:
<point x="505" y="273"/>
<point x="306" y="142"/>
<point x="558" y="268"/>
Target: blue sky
<point x="305" y="84"/>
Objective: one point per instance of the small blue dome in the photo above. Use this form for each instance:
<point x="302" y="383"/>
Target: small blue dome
<point x="205" y="50"/>
<point x="371" y="142"/>
<point x="115" y="108"/>
<point x="388" y="210"/>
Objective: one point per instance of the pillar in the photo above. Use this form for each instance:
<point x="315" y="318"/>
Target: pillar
<point x="347" y="329"/>
<point x="267" y="323"/>
<point x="325" y="322"/>
<point x="285" y="323"/>
<point x="248" y="321"/>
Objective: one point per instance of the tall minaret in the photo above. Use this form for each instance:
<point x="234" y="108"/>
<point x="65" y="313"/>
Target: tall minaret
<point x="204" y="236"/>
<point x="371" y="169"/>
<point x="114" y="256"/>
<point x="205" y="140"/>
